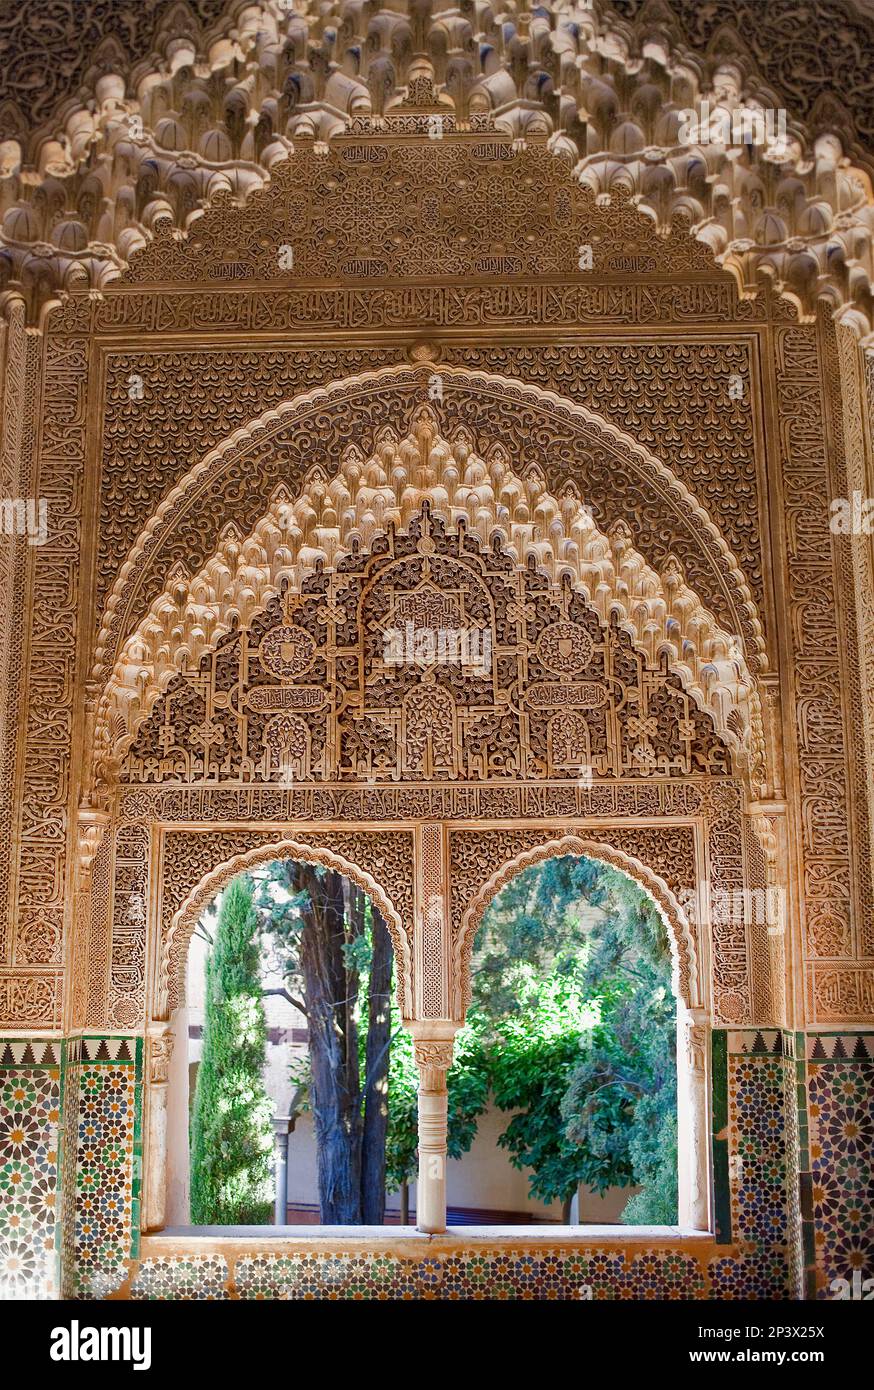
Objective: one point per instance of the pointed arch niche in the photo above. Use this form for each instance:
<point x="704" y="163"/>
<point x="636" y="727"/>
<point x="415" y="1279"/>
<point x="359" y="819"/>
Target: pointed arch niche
<point x="494" y="482"/>
<point x="246" y="705"/>
<point x="166" y="1120"/>
<point x="694" y="1199"/>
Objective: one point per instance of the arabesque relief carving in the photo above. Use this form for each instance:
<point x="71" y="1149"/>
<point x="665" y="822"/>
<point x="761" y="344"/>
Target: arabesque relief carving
<point x="672" y="399"/>
<point x="834" y="830"/>
<point x="302" y="730"/>
<point x="315" y="687"/>
<point x="308" y="690"/>
<point x="603" y="96"/>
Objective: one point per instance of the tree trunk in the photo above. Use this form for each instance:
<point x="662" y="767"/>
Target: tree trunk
<point x="333" y="1047"/>
<point x="566" y="1209"/>
<point x="376" y="1076"/>
<point x="350" y="1145"/>
<point x="405" y="1204"/>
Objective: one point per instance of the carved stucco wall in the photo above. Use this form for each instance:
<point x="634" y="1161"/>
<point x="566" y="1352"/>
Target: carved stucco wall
<point x="19" y="365"/>
<point x="670" y="394"/>
<point x="763" y="467"/>
<point x="216" y="107"/>
<point x="833" y="780"/>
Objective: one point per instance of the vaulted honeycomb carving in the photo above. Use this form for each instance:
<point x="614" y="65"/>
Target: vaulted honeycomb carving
<point x="675" y="395"/>
<point x="354" y="507"/>
<point x="335" y="682"/>
<point x="213" y="112"/>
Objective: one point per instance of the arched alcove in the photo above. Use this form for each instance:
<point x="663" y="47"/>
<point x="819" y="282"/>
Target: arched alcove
<point x="310" y="1164"/>
<point x="693" y="1021"/>
<point x="279" y="627"/>
<point x="165" y="1150"/>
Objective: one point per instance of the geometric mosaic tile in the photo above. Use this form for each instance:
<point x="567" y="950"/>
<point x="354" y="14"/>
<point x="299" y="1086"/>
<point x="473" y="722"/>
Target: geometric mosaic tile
<point x="480" y="1273"/>
<point x="755" y="1075"/>
<point x="107" y="1171"/>
<point x="30" y="1098"/>
<point x="463" y="1275"/>
<point x="822" y="1047"/>
<point x="757" y="1168"/>
<point x="190" y="1277"/>
<point x="841" y="1129"/>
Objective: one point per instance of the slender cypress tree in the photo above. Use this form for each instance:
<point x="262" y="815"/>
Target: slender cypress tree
<point x="231" y="1141"/>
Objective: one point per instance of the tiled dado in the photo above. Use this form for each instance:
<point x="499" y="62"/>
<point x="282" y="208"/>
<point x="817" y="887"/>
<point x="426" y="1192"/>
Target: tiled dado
<point x="486" y="1266"/>
<point x="71" y="1108"/>
<point x="105" y="1227"/>
<point x="840" y="1117"/>
<point x="753" y="1164"/>
<point x="790" y="1112"/>
<point x="30" y="1111"/>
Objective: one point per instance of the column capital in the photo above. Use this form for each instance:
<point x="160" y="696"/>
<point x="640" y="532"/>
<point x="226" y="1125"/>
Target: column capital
<point x="433" y="1053"/>
<point x="432" y="1029"/>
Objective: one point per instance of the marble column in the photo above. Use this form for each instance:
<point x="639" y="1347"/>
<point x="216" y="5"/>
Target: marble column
<point x="433" y="1058"/>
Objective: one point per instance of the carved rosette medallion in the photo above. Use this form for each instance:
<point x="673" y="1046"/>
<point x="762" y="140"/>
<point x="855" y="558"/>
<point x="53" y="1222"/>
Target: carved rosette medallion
<point x="565" y="649"/>
<point x="287" y="652"/>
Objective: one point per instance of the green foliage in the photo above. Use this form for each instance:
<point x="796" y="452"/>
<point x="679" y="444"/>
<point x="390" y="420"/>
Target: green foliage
<point x="572" y="1002"/>
<point x="279" y="909"/>
<point x="528" y="1055"/>
<point x="401" y="1144"/>
<point x="653" y="1151"/>
<point x="571" y="1032"/>
<point x="231" y="1138"/>
<point x="468" y="1091"/>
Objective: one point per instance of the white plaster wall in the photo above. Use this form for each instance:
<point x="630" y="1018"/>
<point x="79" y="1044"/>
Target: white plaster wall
<point x="595" y="1210"/>
<point x="484" y="1177"/>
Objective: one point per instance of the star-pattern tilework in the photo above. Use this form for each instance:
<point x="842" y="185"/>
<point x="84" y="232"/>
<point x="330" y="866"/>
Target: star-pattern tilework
<point x="30" y="1099"/>
<point x="758" y="1074"/>
<point x="464" y="1275"/>
<point x="188" y="1278"/>
<point x="107" y="1175"/>
<point x="841" y="1119"/>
